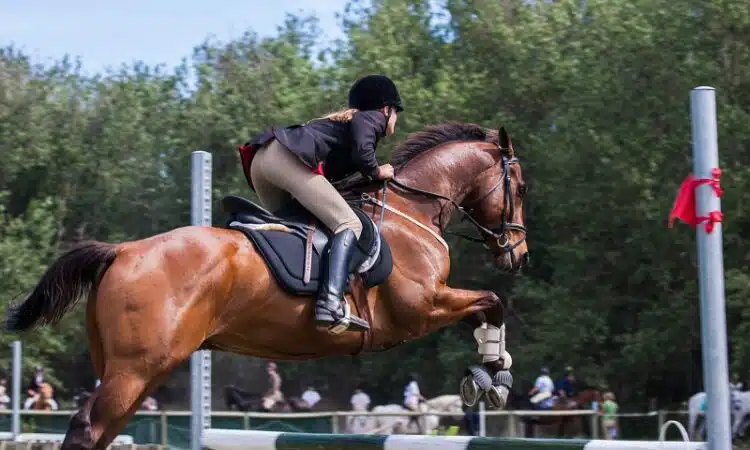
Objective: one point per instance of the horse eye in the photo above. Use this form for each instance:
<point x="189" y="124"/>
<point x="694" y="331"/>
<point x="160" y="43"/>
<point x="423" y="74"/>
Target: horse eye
<point x="522" y="190"/>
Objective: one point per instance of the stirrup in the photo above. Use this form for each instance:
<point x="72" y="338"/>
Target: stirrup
<point x="340" y="325"/>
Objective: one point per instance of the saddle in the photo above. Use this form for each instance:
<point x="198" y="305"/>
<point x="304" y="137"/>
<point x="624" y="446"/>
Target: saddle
<point x="292" y="242"/>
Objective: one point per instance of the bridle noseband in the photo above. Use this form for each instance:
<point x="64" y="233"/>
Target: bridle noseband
<point x="499" y="233"/>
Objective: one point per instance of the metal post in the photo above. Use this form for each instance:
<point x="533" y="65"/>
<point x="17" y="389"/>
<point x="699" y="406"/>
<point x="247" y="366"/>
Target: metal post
<point x="15" y="396"/>
<point x="711" y="273"/>
<point x="200" y="361"/>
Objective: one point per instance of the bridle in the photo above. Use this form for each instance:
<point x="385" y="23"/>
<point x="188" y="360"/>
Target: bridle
<point x="499" y="233"/>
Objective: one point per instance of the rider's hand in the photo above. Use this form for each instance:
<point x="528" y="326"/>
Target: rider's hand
<point x="385" y="172"/>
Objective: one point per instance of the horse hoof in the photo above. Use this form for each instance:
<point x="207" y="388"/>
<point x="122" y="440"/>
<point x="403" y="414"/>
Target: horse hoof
<point x="497" y="396"/>
<point x="469" y="391"/>
<point x="481" y="376"/>
<point x="503" y="378"/>
<point x="507" y="360"/>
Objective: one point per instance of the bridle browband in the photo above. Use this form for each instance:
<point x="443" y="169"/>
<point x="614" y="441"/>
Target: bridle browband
<point x="500" y="234"/>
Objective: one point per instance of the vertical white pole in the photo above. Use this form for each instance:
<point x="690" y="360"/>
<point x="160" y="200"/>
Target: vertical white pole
<point x="711" y="273"/>
<point x="15" y="427"/>
<point x="200" y="361"/>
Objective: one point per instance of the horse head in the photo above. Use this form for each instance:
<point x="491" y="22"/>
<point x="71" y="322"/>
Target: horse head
<point x="585" y="397"/>
<point x="466" y="168"/>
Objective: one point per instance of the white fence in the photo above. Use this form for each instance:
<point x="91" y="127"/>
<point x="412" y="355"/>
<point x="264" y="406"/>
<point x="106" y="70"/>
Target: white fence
<point x="161" y="427"/>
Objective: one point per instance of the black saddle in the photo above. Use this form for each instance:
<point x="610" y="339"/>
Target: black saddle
<point x="292" y="242"/>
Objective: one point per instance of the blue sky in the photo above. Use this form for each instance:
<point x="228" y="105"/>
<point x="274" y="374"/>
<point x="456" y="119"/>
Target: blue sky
<point x="107" y="33"/>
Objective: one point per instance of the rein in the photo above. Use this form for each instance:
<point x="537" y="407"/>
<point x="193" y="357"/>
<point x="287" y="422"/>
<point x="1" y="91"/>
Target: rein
<point x="500" y="234"/>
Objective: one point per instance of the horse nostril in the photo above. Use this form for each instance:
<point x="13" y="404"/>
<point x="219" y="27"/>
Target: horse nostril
<point x="526" y="259"/>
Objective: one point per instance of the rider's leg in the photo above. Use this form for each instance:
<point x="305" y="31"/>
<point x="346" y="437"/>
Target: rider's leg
<point x="271" y="196"/>
<point x="319" y="197"/>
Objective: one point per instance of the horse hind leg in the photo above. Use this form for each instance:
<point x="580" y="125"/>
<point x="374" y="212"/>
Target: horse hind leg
<point x="112" y="402"/>
<point x="131" y="361"/>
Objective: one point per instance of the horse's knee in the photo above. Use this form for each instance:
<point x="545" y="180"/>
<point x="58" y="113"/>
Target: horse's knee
<point x="492" y="311"/>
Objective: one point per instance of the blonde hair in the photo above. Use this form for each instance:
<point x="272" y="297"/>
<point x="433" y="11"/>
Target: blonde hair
<point x="342" y="115"/>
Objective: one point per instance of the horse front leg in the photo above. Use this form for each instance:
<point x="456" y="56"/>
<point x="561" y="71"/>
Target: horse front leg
<point x="484" y="311"/>
<point x="493" y="377"/>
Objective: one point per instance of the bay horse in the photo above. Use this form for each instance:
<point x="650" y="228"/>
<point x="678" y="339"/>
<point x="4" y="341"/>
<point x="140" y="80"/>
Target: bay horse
<point x="562" y="425"/>
<point x="153" y="302"/>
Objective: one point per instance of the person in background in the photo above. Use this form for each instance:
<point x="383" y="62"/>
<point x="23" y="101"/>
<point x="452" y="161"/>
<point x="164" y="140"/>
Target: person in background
<point x="4" y="398"/>
<point x="541" y="395"/>
<point x="360" y="401"/>
<point x="412" y="398"/>
<point x="273" y="395"/>
<point x="609" y="418"/>
<point x="150" y="404"/>
<point x="311" y="396"/>
<point x="566" y="385"/>
<point x="37" y="379"/>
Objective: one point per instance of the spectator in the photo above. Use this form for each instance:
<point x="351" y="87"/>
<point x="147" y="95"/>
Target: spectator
<point x="311" y="396"/>
<point x="566" y="385"/>
<point x="412" y="395"/>
<point x="150" y="404"/>
<point x="4" y="398"/>
<point x="360" y="401"/>
<point x="541" y="394"/>
<point x="43" y="400"/>
<point x="609" y="418"/>
<point x="273" y="395"/>
<point x="412" y="398"/>
<point x="37" y="379"/>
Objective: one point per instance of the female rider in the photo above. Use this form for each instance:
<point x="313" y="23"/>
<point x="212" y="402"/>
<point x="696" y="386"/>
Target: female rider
<point x="301" y="161"/>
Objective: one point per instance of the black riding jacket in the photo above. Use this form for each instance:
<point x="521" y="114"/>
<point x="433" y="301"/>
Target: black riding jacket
<point x="333" y="149"/>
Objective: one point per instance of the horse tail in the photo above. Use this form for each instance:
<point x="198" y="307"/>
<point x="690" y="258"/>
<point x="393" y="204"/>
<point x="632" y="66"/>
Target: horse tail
<point x="71" y="276"/>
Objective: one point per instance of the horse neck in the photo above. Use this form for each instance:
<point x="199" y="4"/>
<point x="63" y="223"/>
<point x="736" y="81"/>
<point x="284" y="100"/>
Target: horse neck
<point x="449" y="170"/>
<point x="584" y="398"/>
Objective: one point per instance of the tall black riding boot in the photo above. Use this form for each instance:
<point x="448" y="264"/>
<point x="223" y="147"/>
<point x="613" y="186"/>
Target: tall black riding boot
<point x="331" y="310"/>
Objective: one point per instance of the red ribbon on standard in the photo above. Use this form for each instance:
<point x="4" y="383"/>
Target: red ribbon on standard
<point x="684" y="204"/>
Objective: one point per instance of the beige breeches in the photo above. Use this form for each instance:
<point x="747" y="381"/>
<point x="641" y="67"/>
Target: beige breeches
<point x="278" y="175"/>
<point x="275" y="397"/>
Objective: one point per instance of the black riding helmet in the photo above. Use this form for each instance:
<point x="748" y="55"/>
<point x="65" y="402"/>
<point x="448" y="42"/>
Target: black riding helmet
<point x="374" y="92"/>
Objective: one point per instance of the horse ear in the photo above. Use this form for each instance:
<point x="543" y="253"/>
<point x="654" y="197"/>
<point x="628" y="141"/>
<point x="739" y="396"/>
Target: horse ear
<point x="504" y="138"/>
<point x="505" y="141"/>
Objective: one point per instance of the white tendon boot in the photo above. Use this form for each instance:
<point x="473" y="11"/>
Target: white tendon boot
<point x="479" y="381"/>
<point x="491" y="340"/>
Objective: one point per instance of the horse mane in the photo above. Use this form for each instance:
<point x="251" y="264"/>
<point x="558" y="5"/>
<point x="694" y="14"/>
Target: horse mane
<point x="585" y="386"/>
<point x="433" y="135"/>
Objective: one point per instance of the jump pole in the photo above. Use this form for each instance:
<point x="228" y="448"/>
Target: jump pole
<point x="200" y="361"/>
<point x="711" y="272"/>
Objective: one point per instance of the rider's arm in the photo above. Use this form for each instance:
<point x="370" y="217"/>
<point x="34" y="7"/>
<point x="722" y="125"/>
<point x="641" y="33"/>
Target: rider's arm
<point x="366" y="126"/>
